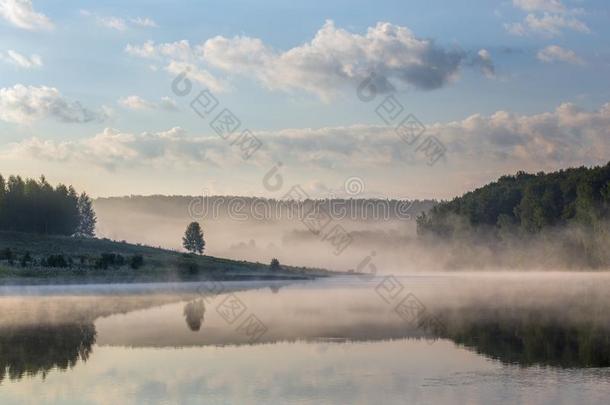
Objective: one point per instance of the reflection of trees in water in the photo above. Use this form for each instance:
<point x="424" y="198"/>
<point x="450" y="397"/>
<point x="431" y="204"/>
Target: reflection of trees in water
<point x="194" y="312"/>
<point x="33" y="349"/>
<point x="530" y="338"/>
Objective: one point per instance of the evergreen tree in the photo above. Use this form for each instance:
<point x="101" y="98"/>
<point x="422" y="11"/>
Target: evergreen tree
<point x="193" y="238"/>
<point x="87" y="218"/>
<point x="35" y="206"/>
<point x="275" y="265"/>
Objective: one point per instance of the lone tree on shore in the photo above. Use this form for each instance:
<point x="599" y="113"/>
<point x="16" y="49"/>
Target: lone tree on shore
<point x="275" y="265"/>
<point x="87" y="218"/>
<point x="193" y="238"/>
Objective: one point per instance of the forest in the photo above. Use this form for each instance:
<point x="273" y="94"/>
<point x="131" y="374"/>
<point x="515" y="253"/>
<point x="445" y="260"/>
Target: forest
<point x="35" y="206"/>
<point x="525" y="204"/>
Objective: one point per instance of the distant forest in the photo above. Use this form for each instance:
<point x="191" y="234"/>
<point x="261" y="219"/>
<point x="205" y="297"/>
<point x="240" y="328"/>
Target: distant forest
<point x="34" y="206"/>
<point x="525" y="204"/>
<point x="264" y="209"/>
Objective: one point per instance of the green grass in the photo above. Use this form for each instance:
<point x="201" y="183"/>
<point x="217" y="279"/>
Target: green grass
<point x="159" y="264"/>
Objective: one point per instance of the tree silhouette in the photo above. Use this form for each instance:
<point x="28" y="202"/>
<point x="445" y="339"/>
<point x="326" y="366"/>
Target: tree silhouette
<point x="275" y="265"/>
<point x="87" y="218"/>
<point x="28" y="205"/>
<point x="193" y="238"/>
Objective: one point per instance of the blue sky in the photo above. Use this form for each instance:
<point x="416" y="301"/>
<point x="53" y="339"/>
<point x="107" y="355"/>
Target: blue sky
<point x="500" y="70"/>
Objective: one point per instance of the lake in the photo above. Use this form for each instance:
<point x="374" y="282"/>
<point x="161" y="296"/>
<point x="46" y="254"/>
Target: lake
<point x="435" y="338"/>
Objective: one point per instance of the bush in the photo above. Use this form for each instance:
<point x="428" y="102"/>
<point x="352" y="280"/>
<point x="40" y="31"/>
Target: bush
<point x="55" y="261"/>
<point x="109" y="259"/>
<point x="6" y="254"/>
<point x="136" y="261"/>
<point x="26" y="259"/>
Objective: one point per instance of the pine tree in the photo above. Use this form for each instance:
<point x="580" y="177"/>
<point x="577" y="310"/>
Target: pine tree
<point x="193" y="238"/>
<point x="87" y="218"/>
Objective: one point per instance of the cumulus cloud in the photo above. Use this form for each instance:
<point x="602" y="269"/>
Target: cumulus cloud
<point x="21" y="61"/>
<point x="547" y="18"/>
<point x="24" y="104"/>
<point x="554" y="53"/>
<point x="21" y="14"/>
<point x="138" y="103"/>
<point x="567" y="136"/>
<point x="333" y="60"/>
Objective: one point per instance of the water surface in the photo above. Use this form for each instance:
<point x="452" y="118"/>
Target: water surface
<point x="426" y="338"/>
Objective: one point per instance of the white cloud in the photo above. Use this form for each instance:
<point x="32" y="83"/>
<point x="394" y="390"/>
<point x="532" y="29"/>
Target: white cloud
<point x="21" y="14"/>
<point x="144" y="22"/>
<point x="138" y="103"/>
<point x="115" y="23"/>
<point x="484" y="61"/>
<point x="120" y="23"/>
<point x="21" y="61"/>
<point x="335" y="59"/>
<point x="112" y="149"/>
<point x="24" y="104"/>
<point x="554" y="53"/>
<point x="200" y="75"/>
<point x="552" y="6"/>
<point x="501" y="142"/>
<point x="168" y="104"/>
<point x="179" y="50"/>
<point x="547" y="18"/>
<point x="548" y="25"/>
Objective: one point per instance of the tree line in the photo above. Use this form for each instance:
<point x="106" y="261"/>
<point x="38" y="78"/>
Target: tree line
<point x="525" y="204"/>
<point x="35" y="206"/>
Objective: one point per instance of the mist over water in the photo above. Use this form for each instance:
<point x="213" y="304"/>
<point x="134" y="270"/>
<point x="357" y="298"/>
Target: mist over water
<point x="502" y="337"/>
<point x="388" y="243"/>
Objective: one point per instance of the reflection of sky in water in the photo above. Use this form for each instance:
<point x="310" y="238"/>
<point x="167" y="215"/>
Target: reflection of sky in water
<point x="150" y="354"/>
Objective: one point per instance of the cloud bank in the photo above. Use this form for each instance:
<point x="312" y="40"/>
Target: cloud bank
<point x="567" y="136"/>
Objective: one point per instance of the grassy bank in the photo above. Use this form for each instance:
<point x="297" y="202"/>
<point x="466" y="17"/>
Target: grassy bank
<point x="30" y="258"/>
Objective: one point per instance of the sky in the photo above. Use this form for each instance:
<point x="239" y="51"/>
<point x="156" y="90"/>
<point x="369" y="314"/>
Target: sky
<point x="401" y="99"/>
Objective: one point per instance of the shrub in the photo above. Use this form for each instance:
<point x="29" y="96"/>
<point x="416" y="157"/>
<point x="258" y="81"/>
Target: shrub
<point x="26" y="259"/>
<point x="6" y="254"/>
<point x="136" y="261"/>
<point x="109" y="259"/>
<point x="55" y="261"/>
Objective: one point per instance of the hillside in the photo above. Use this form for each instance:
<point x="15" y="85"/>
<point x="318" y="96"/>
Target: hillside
<point x="526" y="202"/>
<point x="559" y="219"/>
<point x="33" y="256"/>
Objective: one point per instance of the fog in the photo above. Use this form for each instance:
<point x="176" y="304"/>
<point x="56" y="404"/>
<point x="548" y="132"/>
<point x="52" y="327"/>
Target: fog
<point x="378" y="243"/>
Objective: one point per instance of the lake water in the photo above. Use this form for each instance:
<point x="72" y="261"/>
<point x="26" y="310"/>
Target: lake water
<point x="440" y="338"/>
